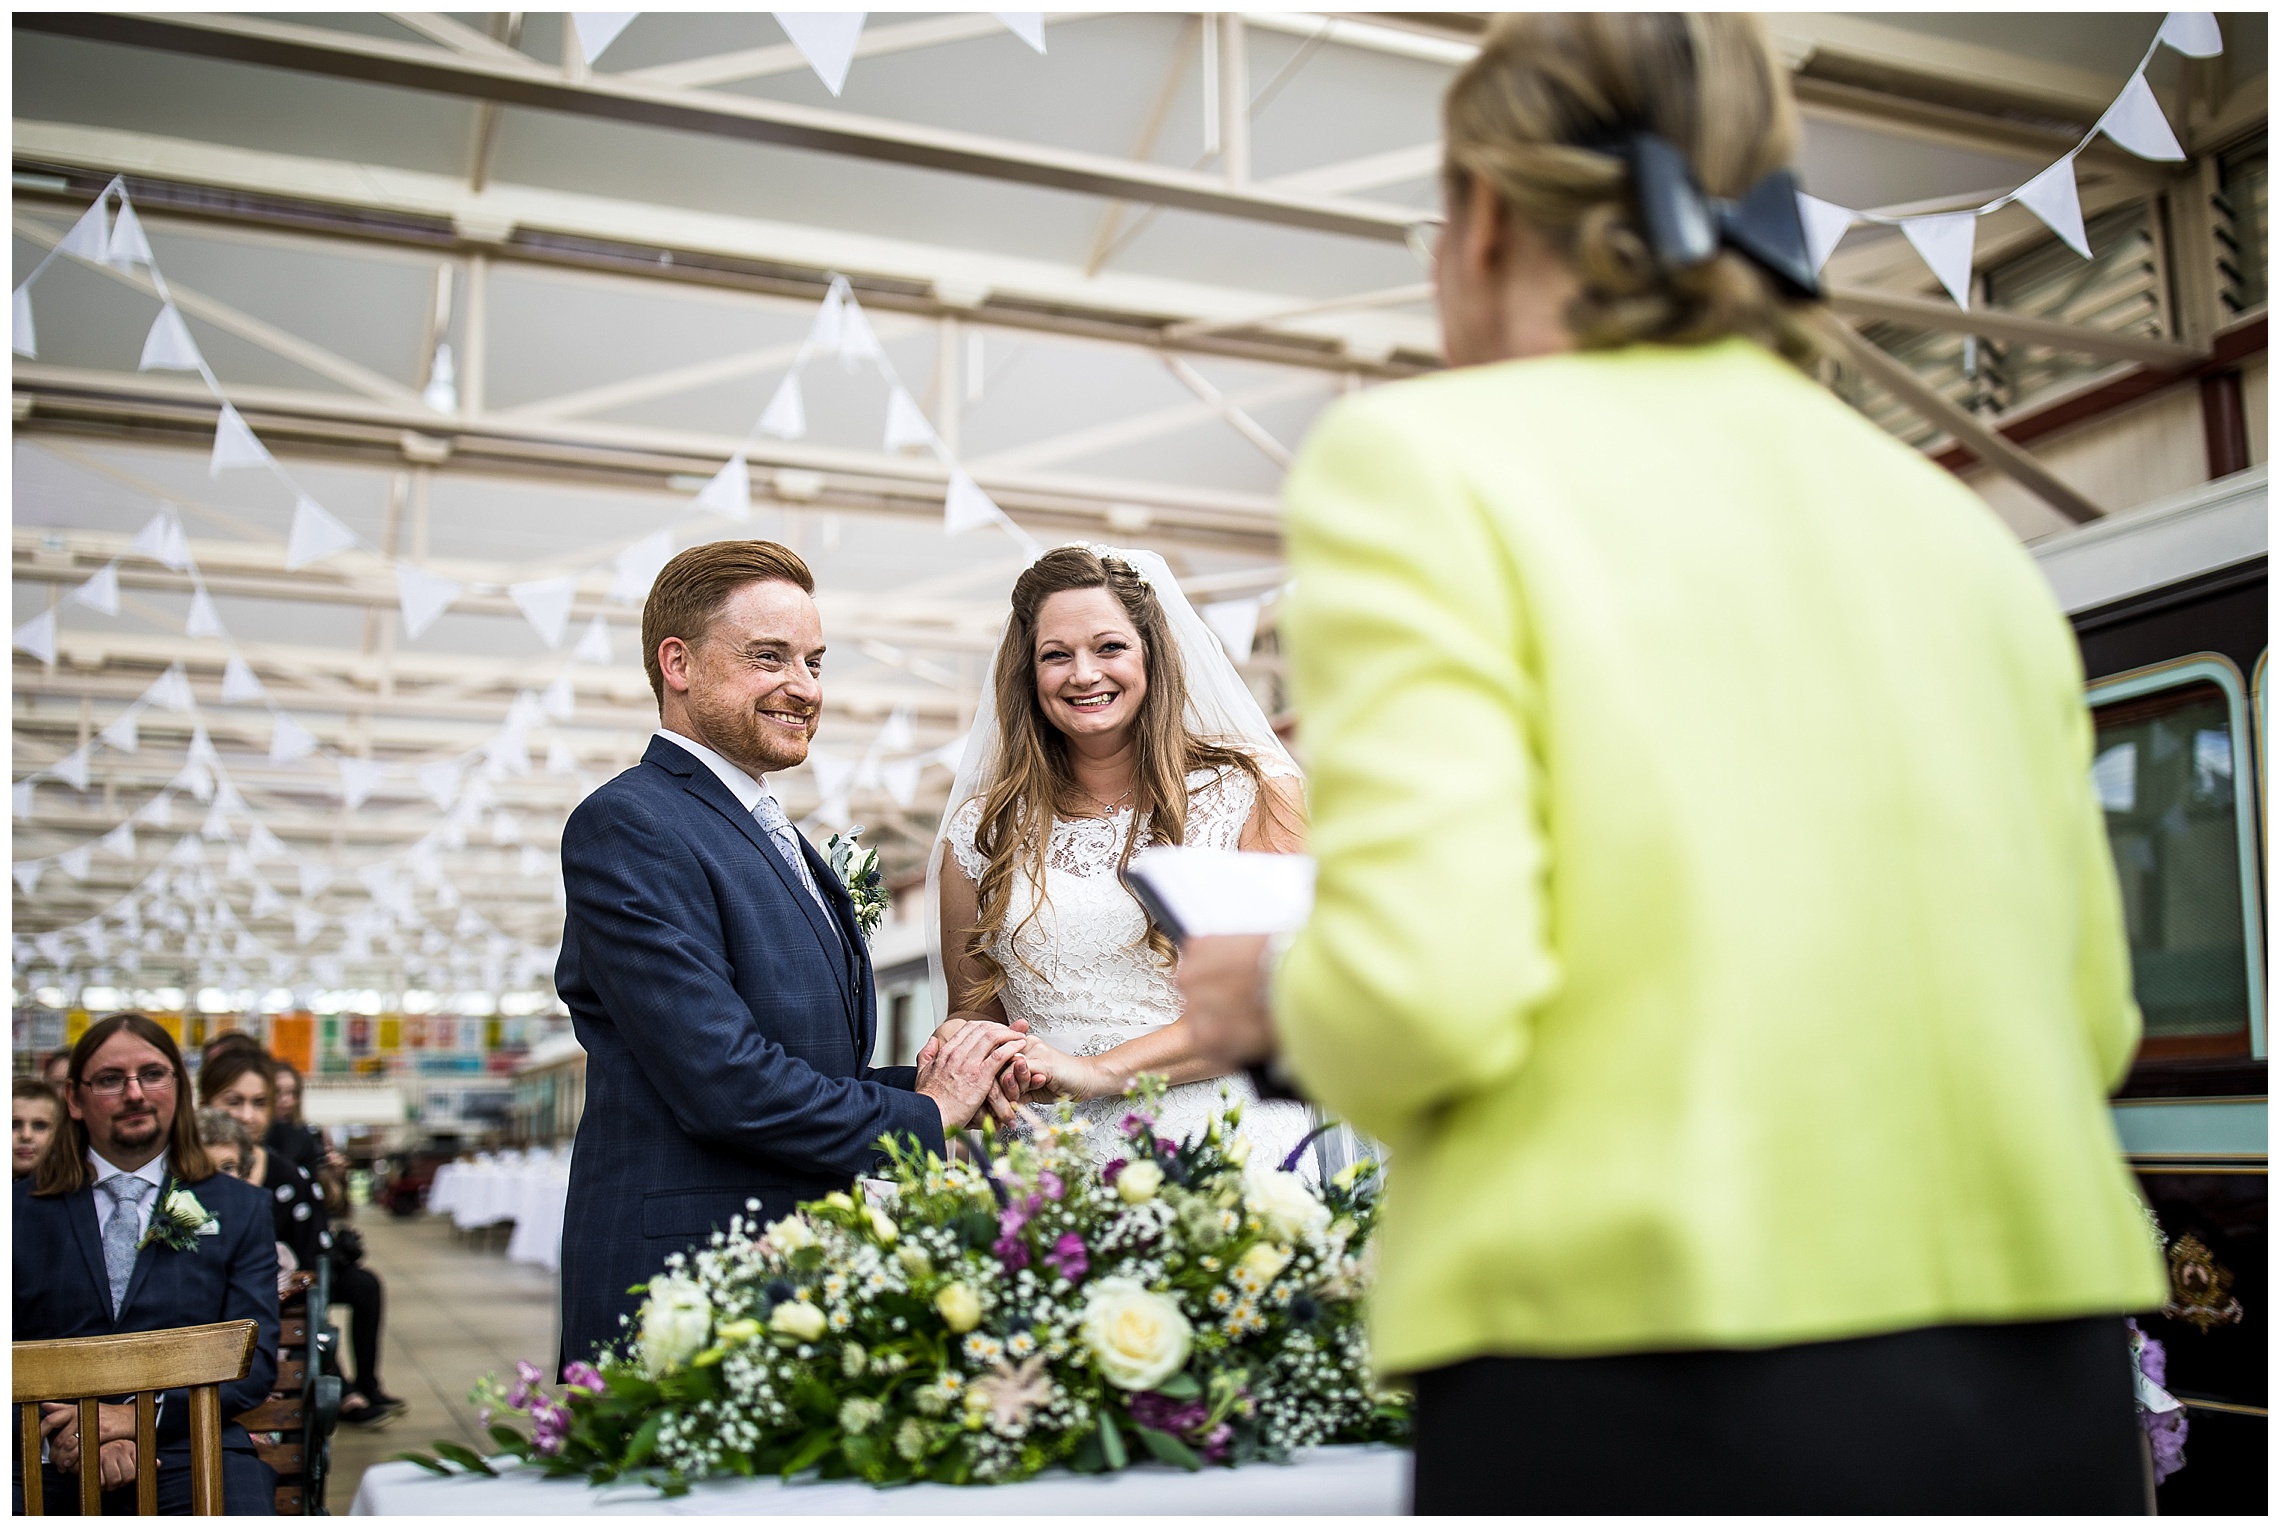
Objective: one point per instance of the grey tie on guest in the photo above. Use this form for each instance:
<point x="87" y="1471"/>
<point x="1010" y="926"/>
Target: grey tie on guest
<point x="770" y="815"/>
<point x="124" y="1229"/>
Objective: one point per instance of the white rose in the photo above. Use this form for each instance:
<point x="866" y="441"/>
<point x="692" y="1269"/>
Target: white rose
<point x="1138" y="1339"/>
<point x="789" y="1235"/>
<point x="1285" y="1206"/>
<point x="1263" y="1262"/>
<point x="1138" y="1183"/>
<point x="1238" y="1150"/>
<point x="797" y="1318"/>
<point x="675" y="1320"/>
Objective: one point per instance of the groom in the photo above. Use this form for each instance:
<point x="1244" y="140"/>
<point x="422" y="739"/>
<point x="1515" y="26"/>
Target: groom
<point x="711" y="961"/>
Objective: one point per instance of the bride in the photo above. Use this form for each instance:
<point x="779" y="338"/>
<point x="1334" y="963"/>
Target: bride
<point x="1118" y="723"/>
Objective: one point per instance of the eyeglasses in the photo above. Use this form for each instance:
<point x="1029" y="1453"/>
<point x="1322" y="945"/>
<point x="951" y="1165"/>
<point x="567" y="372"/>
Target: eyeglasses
<point x="1423" y="238"/>
<point x="153" y="1079"/>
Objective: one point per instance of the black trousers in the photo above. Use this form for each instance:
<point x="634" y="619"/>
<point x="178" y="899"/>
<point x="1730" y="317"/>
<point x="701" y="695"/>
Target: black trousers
<point x="359" y="1289"/>
<point x="249" y="1487"/>
<point x="2033" y="1417"/>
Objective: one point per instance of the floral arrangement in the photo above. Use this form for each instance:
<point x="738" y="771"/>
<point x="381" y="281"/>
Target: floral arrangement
<point x="179" y="1221"/>
<point x="980" y="1321"/>
<point x="858" y="871"/>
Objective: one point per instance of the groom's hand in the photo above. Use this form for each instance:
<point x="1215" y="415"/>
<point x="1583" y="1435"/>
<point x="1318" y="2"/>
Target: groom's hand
<point x="963" y="1073"/>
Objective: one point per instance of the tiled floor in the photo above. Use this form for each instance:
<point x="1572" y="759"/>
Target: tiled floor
<point x="457" y="1310"/>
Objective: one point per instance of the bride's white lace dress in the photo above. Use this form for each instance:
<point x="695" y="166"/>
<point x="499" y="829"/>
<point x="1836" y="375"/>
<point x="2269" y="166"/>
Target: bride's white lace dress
<point x="1082" y="973"/>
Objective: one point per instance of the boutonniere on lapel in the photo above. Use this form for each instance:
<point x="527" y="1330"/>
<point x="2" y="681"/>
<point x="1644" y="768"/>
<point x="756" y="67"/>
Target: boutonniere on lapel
<point x="179" y="1221"/>
<point x="858" y="871"/>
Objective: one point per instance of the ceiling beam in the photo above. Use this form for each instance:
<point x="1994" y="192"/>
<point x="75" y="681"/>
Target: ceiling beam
<point x="622" y="98"/>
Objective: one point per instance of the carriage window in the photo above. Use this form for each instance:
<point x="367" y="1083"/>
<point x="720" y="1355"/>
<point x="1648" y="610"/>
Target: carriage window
<point x="2164" y="772"/>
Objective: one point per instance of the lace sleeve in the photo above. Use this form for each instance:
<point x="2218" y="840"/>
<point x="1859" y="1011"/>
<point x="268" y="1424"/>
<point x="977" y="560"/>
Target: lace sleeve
<point x="964" y="823"/>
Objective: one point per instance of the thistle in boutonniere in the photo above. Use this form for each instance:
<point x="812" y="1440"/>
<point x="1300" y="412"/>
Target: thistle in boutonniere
<point x="858" y="871"/>
<point x="179" y="1221"/>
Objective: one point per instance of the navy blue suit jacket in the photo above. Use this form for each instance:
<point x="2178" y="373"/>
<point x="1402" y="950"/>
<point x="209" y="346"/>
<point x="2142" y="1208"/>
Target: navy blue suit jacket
<point x="727" y="1028"/>
<point x="63" y="1289"/>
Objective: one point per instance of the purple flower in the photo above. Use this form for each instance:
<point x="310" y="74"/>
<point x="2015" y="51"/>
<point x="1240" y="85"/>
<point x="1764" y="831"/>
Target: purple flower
<point x="1068" y="1256"/>
<point x="1108" y="1174"/>
<point x="1054" y="1187"/>
<point x="550" y="1426"/>
<point x="1136" y="1123"/>
<point x="1009" y="1247"/>
<point x="1154" y="1409"/>
<point x="526" y="1393"/>
<point x="1215" y="1443"/>
<point x="584" y="1376"/>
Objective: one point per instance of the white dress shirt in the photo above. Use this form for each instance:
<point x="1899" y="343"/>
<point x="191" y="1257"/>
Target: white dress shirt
<point x="154" y="1171"/>
<point x="742" y="786"/>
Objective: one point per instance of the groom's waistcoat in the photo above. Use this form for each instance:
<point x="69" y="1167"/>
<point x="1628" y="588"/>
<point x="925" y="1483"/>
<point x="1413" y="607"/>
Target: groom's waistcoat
<point x="728" y="1030"/>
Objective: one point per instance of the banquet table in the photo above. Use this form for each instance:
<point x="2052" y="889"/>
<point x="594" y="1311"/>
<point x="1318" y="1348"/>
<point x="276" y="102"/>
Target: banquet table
<point x="1349" y="1481"/>
<point x="528" y="1189"/>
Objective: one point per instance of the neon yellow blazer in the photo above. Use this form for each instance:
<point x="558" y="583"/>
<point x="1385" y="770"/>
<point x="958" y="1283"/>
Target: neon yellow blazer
<point x="1714" y="916"/>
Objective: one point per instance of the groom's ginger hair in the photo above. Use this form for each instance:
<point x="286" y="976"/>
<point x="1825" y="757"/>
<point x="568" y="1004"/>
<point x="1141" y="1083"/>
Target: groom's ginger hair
<point x="694" y="586"/>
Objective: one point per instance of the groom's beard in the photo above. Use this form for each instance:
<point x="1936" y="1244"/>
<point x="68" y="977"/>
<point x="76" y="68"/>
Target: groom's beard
<point x="736" y="731"/>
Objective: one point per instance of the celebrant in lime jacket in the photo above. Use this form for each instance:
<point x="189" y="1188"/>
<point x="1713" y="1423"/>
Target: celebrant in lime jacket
<point x="1714" y="915"/>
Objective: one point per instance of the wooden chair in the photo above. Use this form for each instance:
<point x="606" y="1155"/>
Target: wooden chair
<point x="83" y="1369"/>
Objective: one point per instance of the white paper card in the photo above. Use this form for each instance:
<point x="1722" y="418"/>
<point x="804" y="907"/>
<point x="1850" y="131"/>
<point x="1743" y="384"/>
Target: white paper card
<point x="1225" y="891"/>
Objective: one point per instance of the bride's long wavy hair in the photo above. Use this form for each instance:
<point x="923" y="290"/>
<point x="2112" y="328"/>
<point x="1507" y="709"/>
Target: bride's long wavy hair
<point x="1016" y="826"/>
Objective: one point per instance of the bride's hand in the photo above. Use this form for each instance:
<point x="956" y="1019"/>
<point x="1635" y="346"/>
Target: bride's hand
<point x="1054" y="1073"/>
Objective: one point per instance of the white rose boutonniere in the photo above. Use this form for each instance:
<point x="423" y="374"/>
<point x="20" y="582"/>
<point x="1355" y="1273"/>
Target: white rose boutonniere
<point x="179" y="1221"/>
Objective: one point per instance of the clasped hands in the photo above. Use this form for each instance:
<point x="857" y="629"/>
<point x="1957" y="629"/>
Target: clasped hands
<point x="974" y="1062"/>
<point x="115" y="1449"/>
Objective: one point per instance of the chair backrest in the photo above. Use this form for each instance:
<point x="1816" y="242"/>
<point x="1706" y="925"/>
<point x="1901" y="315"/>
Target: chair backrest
<point x="200" y="1359"/>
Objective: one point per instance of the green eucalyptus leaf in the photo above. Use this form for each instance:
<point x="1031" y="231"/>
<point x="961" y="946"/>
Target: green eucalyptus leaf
<point x="1168" y="1448"/>
<point x="422" y="1460"/>
<point x="644" y="1442"/>
<point x="1180" y="1387"/>
<point x="1112" y="1444"/>
<point x="465" y="1457"/>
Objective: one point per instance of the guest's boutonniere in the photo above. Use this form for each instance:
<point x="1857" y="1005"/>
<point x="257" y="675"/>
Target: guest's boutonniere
<point x="858" y="871"/>
<point x="179" y="1221"/>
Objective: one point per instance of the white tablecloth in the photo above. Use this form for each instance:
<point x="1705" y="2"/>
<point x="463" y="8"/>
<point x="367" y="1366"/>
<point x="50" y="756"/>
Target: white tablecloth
<point x="528" y="1190"/>
<point x="1330" y="1482"/>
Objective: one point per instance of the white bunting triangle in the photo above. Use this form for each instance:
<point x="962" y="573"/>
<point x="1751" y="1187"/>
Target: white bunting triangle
<point x="77" y="862"/>
<point x="823" y="334"/>
<point x="122" y="734"/>
<point x="423" y="596"/>
<point x="240" y="687"/>
<point x="168" y="346"/>
<point x="102" y="591"/>
<point x="289" y="740"/>
<point x="965" y="506"/>
<point x="90" y="237"/>
<point x="20" y="324"/>
<point x="730" y="491"/>
<point x="314" y="877"/>
<point x="1825" y="224"/>
<point x="307" y="923"/>
<point x="1029" y="26"/>
<point x="1236" y="624"/>
<point x="598" y="29"/>
<point x="545" y="603"/>
<point x="28" y="873"/>
<point x="440" y="780"/>
<point x="637" y="567"/>
<point x="217" y="824"/>
<point x="826" y="39"/>
<point x="37" y="636"/>
<point x="2193" y="33"/>
<point x="120" y="841"/>
<point x="2054" y="197"/>
<point x="559" y="699"/>
<point x="896" y="733"/>
<point x="786" y="414"/>
<point x="315" y="536"/>
<point x="72" y="767"/>
<point x="359" y="778"/>
<point x="2135" y="122"/>
<point x="23" y="797"/>
<point x="235" y="445"/>
<point x="158" y="811"/>
<point x="559" y="759"/>
<point x="265" y="899"/>
<point x="594" y="646"/>
<point x="127" y="247"/>
<point x="900" y="777"/>
<point x="162" y="539"/>
<point x="906" y="425"/>
<point x="261" y="844"/>
<point x="1945" y="241"/>
<point x="170" y="691"/>
<point x="856" y="341"/>
<point x="203" y="620"/>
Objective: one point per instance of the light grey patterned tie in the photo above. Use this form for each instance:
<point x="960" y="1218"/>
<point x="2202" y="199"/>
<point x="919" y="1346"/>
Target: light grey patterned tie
<point x="125" y="1229"/>
<point x="770" y="815"/>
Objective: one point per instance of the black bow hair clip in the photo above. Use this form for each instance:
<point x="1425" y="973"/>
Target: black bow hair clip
<point x="1685" y="227"/>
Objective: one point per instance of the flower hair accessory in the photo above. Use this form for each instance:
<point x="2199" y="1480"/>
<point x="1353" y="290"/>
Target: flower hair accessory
<point x="1120" y="558"/>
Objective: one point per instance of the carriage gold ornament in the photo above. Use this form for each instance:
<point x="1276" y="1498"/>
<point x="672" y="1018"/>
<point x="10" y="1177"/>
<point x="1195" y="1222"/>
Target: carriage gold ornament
<point x="2200" y="1287"/>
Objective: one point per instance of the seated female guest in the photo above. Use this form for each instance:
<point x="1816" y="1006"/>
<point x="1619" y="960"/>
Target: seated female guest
<point x="1714" y="914"/>
<point x="34" y="1111"/>
<point x="240" y="1081"/>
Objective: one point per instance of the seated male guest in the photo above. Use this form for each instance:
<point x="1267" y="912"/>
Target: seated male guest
<point x="88" y="1263"/>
